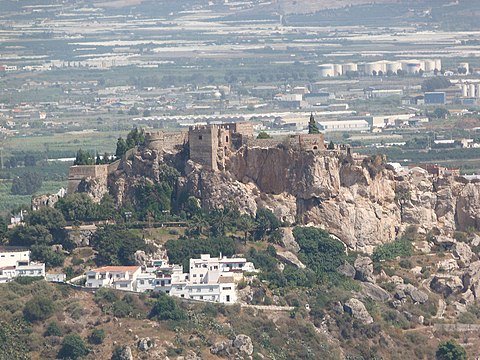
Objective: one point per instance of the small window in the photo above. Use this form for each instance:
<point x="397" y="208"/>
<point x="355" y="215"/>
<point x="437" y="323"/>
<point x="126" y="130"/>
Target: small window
<point x="200" y="137"/>
<point x="226" y="139"/>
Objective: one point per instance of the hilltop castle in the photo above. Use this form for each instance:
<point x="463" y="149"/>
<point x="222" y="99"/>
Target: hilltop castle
<point x="207" y="145"/>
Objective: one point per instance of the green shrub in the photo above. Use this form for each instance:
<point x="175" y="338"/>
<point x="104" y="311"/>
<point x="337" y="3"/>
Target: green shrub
<point x="73" y="347"/>
<point x="450" y="350"/>
<point x="97" y="336"/>
<point x="122" y="309"/>
<point x="105" y="295"/>
<point x="406" y="264"/>
<point x="53" y="330"/>
<point x="165" y="308"/>
<point x="319" y="251"/>
<point x="392" y="250"/>
<point x="38" y="309"/>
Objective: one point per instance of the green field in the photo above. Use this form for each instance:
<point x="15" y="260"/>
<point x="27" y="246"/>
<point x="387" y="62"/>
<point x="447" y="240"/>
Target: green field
<point x="65" y="144"/>
<point x="9" y="201"/>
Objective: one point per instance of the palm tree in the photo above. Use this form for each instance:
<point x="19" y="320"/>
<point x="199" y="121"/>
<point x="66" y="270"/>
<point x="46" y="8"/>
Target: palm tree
<point x="246" y="224"/>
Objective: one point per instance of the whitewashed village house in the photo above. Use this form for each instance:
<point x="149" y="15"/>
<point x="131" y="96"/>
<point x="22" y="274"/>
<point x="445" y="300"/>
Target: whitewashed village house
<point x="15" y="262"/>
<point x="209" y="279"/>
<point x="117" y="277"/>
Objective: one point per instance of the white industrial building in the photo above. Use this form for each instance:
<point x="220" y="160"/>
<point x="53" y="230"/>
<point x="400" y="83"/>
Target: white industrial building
<point x="209" y="278"/>
<point x="343" y="125"/>
<point x="15" y="262"/>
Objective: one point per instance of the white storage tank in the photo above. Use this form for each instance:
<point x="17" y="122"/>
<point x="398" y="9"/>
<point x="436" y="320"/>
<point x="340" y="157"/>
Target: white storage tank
<point x="350" y="67"/>
<point x="373" y="68"/>
<point x="464" y="90"/>
<point x="326" y="70"/>
<point x="337" y="69"/>
<point x="438" y="64"/>
<point x="412" y="66"/>
<point x="429" y="66"/>
<point x="478" y="91"/>
<point x="394" y="66"/>
<point x="472" y="91"/>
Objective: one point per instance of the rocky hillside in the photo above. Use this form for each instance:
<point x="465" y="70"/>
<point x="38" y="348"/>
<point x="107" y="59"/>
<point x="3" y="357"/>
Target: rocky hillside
<point x="362" y="202"/>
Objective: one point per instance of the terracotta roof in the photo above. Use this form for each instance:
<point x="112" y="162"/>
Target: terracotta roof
<point x="117" y="269"/>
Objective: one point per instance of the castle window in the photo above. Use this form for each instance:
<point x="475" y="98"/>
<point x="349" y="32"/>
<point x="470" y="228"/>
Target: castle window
<point x="315" y="147"/>
<point x="200" y="137"/>
<point x="226" y="139"/>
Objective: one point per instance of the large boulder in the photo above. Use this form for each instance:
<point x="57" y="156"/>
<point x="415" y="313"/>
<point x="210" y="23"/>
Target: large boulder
<point x="347" y="270"/>
<point x="463" y="253"/>
<point x="468" y="207"/>
<point x="290" y="258"/>
<point x="404" y="290"/>
<point x="145" y="344"/>
<point x="364" y="269"/>
<point x="125" y="353"/>
<point x="288" y="240"/>
<point x="375" y="292"/>
<point x="358" y="311"/>
<point x="240" y="346"/>
<point x="471" y="279"/>
<point x="446" y="284"/>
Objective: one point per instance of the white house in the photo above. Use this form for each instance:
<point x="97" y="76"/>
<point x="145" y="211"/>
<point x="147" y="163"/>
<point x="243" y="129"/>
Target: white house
<point x="11" y="255"/>
<point x="208" y="279"/>
<point x="117" y="277"/>
<point x="15" y="262"/>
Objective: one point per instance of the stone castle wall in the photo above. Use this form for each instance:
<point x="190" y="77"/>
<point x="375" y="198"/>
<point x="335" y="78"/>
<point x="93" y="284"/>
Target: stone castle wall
<point x="166" y="141"/>
<point x="77" y="173"/>
<point x="299" y="142"/>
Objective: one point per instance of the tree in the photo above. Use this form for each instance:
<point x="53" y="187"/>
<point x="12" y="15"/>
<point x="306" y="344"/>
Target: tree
<point x="121" y="148"/>
<point x="53" y="330"/>
<point x="45" y="254"/>
<point x="319" y="251"/>
<point x="135" y="138"/>
<point x="39" y="308"/>
<point x="266" y="223"/>
<point x="49" y="217"/>
<point x="246" y="224"/>
<point x="97" y="336"/>
<point x="29" y="235"/>
<point x="312" y="126"/>
<point x="84" y="158"/>
<point x="116" y="246"/>
<point x="441" y="113"/>
<point x="331" y="145"/>
<point x="165" y="308"/>
<point x="73" y="347"/>
<point x="77" y="207"/>
<point x="26" y="184"/>
<point x="450" y="350"/>
<point x="263" y="135"/>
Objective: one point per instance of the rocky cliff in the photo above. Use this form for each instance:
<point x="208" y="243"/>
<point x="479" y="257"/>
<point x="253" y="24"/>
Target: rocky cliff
<point x="364" y="203"/>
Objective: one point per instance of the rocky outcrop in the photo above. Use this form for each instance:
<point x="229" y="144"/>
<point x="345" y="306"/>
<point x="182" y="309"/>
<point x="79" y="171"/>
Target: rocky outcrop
<point x="361" y="204"/>
<point x="404" y="290"/>
<point x="240" y="347"/>
<point x="125" y="353"/>
<point x="358" y="311"/>
<point x="446" y="284"/>
<point x="463" y="253"/>
<point x="347" y="270"/>
<point x="375" y="292"/>
<point x="364" y="269"/>
<point x="145" y="344"/>
<point x="290" y="258"/>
